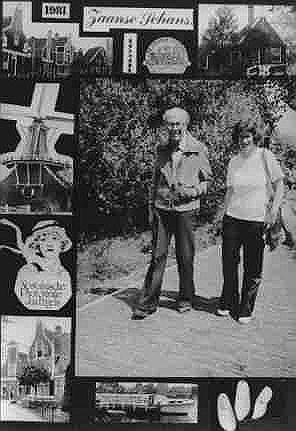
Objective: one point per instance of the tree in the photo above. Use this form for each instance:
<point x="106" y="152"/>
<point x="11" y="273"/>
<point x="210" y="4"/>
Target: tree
<point x="283" y="18"/>
<point x="220" y="35"/>
<point x="117" y="141"/>
<point x="32" y="376"/>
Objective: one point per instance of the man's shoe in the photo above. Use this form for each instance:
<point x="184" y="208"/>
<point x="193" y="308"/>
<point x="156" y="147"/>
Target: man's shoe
<point x="140" y="314"/>
<point x="222" y="312"/>
<point x="183" y="307"/>
<point x="245" y="320"/>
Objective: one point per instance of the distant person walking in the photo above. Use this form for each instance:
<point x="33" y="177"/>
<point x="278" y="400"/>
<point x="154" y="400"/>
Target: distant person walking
<point x="245" y="220"/>
<point x="181" y="173"/>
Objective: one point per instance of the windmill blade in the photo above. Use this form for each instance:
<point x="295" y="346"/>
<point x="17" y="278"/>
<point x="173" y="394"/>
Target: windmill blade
<point x="45" y="97"/>
<point x="63" y="116"/>
<point x="15" y="112"/>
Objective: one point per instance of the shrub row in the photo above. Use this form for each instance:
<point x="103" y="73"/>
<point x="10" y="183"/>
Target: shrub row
<point x="120" y="125"/>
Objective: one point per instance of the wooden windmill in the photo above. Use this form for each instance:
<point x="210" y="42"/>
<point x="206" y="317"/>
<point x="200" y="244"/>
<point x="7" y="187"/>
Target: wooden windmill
<point x="35" y="170"/>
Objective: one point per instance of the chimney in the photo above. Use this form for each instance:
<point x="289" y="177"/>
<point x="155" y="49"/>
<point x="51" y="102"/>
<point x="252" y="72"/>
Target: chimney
<point x="251" y="14"/>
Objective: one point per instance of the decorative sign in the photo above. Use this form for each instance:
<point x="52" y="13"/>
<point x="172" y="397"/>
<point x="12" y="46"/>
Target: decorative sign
<point x="37" y="292"/>
<point x="103" y="19"/>
<point x="43" y="283"/>
<point x="166" y="55"/>
<point x="130" y="53"/>
<point x="56" y="10"/>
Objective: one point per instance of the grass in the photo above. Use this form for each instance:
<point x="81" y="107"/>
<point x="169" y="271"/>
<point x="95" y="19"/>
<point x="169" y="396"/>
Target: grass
<point x="108" y="264"/>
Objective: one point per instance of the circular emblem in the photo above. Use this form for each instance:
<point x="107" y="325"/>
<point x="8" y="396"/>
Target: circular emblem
<point x="37" y="292"/>
<point x="166" y="55"/>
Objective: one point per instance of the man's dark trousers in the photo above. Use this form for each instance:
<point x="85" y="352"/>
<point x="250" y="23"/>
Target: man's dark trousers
<point x="165" y="224"/>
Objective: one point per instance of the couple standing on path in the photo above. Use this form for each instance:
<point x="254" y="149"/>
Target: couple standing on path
<point x="181" y="176"/>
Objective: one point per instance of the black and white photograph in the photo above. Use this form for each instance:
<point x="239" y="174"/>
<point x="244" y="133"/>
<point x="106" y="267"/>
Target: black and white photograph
<point x="247" y="40"/>
<point x="146" y="402"/>
<point x="36" y="160"/>
<point x="35" y="355"/>
<point x="204" y="302"/>
<point x="48" y="50"/>
<point x="148" y="215"/>
<point x="39" y="259"/>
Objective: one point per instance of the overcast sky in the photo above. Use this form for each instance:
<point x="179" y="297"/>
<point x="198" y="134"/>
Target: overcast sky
<point x="22" y="328"/>
<point x="206" y="11"/>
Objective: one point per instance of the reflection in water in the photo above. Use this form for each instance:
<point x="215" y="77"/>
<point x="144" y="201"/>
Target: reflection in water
<point x="190" y="417"/>
<point x="176" y="415"/>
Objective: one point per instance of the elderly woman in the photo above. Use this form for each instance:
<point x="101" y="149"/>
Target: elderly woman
<point x="245" y="219"/>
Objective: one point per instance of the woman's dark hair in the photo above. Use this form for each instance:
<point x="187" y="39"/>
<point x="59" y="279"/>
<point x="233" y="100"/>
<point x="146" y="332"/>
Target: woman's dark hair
<point x="245" y="127"/>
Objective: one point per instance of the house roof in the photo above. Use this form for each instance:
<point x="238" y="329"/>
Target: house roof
<point x="260" y="32"/>
<point x="41" y="338"/>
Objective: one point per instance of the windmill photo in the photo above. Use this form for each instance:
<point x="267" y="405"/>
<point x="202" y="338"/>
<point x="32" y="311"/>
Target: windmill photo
<point x="35" y="177"/>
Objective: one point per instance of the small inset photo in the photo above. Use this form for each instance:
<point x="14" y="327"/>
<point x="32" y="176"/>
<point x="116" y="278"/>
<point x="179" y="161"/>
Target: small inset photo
<point x="146" y="402"/>
<point x="38" y="256"/>
<point x="250" y="404"/>
<point x="247" y="40"/>
<point x="36" y="158"/>
<point x="35" y="355"/>
<point x="48" y="50"/>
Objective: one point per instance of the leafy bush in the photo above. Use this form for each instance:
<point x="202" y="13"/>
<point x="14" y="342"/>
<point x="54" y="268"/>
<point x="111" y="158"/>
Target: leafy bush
<point x="120" y="128"/>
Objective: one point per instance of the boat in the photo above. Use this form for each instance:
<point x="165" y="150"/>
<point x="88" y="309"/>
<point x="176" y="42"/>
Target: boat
<point x="177" y="406"/>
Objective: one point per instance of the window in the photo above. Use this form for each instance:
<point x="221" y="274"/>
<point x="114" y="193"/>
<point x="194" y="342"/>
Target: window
<point x="60" y="55"/>
<point x="275" y="55"/>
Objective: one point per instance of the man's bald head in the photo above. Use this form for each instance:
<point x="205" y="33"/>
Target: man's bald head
<point x="176" y="114"/>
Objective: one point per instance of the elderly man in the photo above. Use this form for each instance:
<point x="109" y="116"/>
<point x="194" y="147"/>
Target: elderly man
<point x="180" y="177"/>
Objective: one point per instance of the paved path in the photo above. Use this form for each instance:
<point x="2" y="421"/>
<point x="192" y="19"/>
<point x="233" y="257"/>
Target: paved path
<point x="14" y="412"/>
<point x="198" y="343"/>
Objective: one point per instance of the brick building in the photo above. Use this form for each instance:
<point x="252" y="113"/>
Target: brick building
<point x="49" y="350"/>
<point x="50" y="57"/>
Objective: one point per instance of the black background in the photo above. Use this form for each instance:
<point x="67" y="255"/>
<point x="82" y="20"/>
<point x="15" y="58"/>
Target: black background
<point x="12" y="91"/>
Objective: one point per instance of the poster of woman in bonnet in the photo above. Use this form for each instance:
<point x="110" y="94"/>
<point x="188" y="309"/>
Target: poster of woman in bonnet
<point x="42" y="282"/>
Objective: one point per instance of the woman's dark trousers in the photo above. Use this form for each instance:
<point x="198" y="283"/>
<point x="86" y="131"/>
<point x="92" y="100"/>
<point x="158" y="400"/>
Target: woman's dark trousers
<point x="247" y="235"/>
<point x="166" y="224"/>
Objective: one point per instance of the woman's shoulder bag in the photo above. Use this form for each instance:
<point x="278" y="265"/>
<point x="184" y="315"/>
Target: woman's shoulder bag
<point x="272" y="232"/>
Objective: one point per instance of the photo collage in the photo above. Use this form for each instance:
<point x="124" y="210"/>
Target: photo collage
<point x="148" y="215"/>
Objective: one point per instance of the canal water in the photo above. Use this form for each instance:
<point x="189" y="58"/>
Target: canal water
<point x="190" y="417"/>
